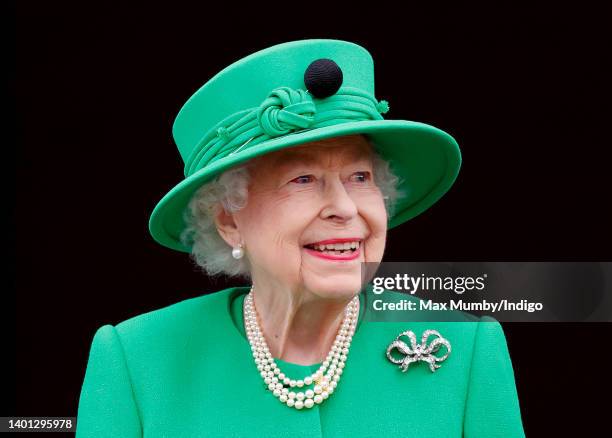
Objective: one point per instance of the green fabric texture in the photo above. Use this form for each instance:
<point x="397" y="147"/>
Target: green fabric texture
<point x="186" y="370"/>
<point x="259" y="104"/>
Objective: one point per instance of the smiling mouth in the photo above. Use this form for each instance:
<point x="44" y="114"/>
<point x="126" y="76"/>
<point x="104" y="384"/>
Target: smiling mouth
<point x="336" y="249"/>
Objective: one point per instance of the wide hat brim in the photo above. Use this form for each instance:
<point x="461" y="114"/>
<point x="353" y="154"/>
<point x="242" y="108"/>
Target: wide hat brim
<point x="426" y="159"/>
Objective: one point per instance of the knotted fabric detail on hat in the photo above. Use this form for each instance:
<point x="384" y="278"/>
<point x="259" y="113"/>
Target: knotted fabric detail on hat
<point x="285" y="111"/>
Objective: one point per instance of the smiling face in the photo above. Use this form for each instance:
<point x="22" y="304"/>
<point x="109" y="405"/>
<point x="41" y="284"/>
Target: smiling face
<point x="317" y="193"/>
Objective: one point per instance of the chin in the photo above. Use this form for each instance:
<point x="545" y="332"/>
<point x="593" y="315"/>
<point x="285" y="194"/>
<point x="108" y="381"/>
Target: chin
<point x="345" y="286"/>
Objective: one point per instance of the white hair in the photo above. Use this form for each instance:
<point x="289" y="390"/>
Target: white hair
<point x="229" y="191"/>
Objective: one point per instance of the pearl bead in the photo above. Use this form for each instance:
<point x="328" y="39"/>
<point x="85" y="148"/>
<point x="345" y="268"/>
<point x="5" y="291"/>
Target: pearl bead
<point x="308" y="403"/>
<point x="290" y="402"/>
<point x="300" y="383"/>
<point x="308" y="380"/>
<point x="325" y="394"/>
<point x="309" y="393"/>
<point x="283" y="398"/>
<point x="291" y="394"/>
<point x="318" y="389"/>
<point x="318" y="399"/>
<point x="237" y="252"/>
<point x="300" y="396"/>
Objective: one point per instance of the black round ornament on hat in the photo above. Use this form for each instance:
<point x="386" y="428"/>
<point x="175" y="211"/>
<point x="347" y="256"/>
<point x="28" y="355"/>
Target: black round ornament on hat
<point x="323" y="77"/>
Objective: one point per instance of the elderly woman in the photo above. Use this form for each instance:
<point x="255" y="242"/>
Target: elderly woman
<point x="294" y="192"/>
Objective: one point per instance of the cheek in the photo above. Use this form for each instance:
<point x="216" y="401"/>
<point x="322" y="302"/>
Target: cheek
<point x="273" y="229"/>
<point x="379" y="213"/>
<point x="375" y="216"/>
<point x="372" y="209"/>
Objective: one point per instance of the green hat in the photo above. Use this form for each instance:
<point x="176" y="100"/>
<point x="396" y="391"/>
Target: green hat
<point x="294" y="93"/>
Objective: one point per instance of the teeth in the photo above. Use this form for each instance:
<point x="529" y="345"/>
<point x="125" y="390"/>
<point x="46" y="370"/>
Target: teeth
<point x="337" y="246"/>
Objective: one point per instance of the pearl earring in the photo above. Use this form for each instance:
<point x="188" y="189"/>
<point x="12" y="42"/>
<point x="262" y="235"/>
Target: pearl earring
<point x="238" y="251"/>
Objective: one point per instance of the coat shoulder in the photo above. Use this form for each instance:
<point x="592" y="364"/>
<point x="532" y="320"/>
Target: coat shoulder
<point x="177" y="320"/>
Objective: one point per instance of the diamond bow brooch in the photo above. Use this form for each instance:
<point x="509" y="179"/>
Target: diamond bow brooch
<point x="416" y="352"/>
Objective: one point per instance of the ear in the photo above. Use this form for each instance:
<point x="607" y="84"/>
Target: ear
<point x="227" y="228"/>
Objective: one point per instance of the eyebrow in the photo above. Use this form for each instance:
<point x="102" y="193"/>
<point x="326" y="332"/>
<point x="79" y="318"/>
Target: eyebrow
<point x="288" y="159"/>
<point x="308" y="158"/>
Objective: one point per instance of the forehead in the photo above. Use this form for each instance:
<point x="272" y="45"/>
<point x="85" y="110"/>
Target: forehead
<point x="334" y="151"/>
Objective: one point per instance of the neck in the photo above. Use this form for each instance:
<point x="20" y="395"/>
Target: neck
<point x="299" y="327"/>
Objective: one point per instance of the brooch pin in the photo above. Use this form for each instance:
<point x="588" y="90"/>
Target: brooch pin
<point x="416" y="352"/>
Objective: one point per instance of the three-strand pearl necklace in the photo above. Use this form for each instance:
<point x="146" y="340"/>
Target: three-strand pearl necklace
<point x="280" y="384"/>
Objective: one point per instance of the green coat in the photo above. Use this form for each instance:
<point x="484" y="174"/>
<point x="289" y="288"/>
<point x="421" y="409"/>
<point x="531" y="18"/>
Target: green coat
<point x="186" y="370"/>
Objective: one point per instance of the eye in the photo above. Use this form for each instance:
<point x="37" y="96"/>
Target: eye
<point x="303" y="179"/>
<point x="361" y="176"/>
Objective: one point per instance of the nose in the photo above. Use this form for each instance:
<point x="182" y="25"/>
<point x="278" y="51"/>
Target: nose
<point x="339" y="206"/>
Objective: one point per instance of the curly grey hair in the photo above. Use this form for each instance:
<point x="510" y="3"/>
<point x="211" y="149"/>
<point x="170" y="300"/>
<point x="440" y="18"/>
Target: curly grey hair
<point x="230" y="192"/>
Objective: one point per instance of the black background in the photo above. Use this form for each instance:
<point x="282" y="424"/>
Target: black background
<point x="97" y="87"/>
